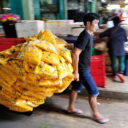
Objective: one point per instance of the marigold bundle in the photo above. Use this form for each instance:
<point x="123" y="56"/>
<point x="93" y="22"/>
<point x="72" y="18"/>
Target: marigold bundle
<point x="34" y="70"/>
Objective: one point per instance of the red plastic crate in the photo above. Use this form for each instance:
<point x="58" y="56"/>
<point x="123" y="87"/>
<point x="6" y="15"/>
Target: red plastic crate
<point x="98" y="70"/>
<point x="6" y="43"/>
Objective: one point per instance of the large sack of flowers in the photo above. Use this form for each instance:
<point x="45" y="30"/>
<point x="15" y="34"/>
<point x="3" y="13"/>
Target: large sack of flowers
<point x="34" y="70"/>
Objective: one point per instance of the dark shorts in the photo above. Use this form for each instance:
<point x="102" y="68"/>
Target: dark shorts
<point x="86" y="81"/>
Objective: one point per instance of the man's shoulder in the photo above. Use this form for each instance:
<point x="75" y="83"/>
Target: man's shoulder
<point x="83" y="33"/>
<point x="82" y="38"/>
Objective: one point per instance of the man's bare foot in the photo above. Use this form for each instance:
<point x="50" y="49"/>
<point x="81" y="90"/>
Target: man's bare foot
<point x="100" y="119"/>
<point x="75" y="111"/>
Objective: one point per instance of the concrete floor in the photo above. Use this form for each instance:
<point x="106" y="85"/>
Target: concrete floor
<point x="115" y="90"/>
<point x="116" y="86"/>
<point x="53" y="115"/>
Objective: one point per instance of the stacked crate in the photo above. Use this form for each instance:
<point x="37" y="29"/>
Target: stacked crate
<point x="98" y="70"/>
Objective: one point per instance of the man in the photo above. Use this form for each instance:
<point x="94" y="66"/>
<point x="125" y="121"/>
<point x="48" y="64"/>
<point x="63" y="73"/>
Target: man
<point x="116" y="38"/>
<point x="81" y="63"/>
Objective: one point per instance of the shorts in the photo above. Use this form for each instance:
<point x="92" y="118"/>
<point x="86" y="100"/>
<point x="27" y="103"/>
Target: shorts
<point x="86" y="81"/>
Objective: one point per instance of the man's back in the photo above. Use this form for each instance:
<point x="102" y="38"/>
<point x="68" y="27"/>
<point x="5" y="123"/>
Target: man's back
<point x="117" y="37"/>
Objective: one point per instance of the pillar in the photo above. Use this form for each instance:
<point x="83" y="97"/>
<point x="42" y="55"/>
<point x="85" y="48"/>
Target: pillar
<point x="61" y="9"/>
<point x="16" y="7"/>
<point x="28" y="9"/>
<point x="65" y="9"/>
<point x="37" y="9"/>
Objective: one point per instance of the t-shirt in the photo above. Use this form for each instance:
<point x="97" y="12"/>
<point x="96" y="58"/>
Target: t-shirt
<point x="117" y="36"/>
<point x="85" y="43"/>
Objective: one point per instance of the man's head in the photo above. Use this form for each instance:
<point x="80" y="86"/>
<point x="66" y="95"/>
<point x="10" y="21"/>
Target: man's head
<point x="116" y="20"/>
<point x="91" y="21"/>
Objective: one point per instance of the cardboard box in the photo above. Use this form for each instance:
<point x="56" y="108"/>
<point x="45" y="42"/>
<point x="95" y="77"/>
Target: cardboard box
<point x="77" y="28"/>
<point x="59" y="27"/>
<point x="29" y="27"/>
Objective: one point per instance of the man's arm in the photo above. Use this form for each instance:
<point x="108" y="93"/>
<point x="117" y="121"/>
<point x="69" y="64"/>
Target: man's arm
<point x="75" y="60"/>
<point x="105" y="33"/>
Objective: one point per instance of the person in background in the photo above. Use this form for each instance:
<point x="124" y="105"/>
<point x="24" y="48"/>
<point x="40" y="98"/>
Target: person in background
<point x="116" y="38"/>
<point x="81" y="56"/>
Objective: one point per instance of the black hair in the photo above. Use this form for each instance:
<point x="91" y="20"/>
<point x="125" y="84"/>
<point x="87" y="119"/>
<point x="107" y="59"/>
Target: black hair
<point x="116" y="20"/>
<point x="89" y="17"/>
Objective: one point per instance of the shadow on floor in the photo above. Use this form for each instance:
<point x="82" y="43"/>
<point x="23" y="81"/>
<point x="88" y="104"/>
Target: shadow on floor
<point x="48" y="107"/>
<point x="7" y="115"/>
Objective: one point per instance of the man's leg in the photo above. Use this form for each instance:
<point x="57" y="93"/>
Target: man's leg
<point x="95" y="113"/>
<point x="113" y="65"/>
<point x="72" y="100"/>
<point x="93" y="105"/>
<point x="92" y="89"/>
<point x="121" y="68"/>
<point x="121" y="64"/>
<point x="77" y="88"/>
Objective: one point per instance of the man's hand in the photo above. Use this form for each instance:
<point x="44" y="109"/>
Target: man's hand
<point x="70" y="46"/>
<point x="76" y="76"/>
